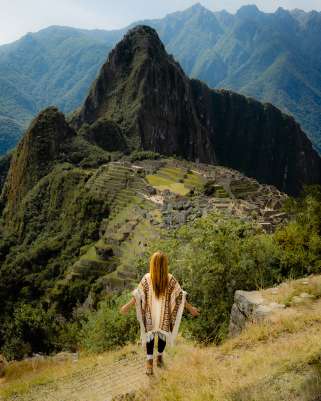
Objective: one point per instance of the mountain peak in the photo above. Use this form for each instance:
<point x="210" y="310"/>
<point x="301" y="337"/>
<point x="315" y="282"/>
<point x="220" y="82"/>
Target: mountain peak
<point x="141" y="38"/>
<point x="127" y="63"/>
<point x="198" y="6"/>
<point x="197" y="10"/>
<point x="143" y="34"/>
<point x="282" y="11"/>
<point x="248" y="11"/>
<point x="140" y="88"/>
<point x="45" y="143"/>
<point x="142" y="30"/>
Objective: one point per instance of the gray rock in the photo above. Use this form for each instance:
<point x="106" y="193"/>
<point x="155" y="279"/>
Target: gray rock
<point x="249" y="306"/>
<point x="66" y="356"/>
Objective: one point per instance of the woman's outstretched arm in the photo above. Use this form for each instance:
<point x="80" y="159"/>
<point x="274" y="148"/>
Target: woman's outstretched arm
<point x="191" y="309"/>
<point x="125" y="308"/>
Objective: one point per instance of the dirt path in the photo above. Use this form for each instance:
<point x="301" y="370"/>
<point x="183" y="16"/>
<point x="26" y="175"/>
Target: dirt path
<point x="102" y="382"/>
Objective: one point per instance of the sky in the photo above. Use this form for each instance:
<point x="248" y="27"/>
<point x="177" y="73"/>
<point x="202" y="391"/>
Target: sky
<point x="21" y="16"/>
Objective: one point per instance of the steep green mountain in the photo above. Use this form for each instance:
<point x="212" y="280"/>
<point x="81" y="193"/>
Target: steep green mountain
<point x="273" y="57"/>
<point x="83" y="198"/>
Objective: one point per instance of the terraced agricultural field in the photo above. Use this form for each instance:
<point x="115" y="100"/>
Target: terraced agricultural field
<point x="138" y="214"/>
<point x="243" y="188"/>
<point x="175" y="179"/>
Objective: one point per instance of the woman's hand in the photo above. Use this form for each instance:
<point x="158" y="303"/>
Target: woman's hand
<point x="125" y="308"/>
<point x="194" y="311"/>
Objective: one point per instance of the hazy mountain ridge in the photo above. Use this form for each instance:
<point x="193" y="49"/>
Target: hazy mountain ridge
<point x="54" y="66"/>
<point x="274" y="57"/>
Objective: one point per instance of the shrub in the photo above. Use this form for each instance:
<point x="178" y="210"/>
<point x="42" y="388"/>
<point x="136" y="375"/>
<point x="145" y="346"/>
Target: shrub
<point x="143" y="155"/>
<point x="31" y="329"/>
<point x="106" y="328"/>
<point x="300" y="239"/>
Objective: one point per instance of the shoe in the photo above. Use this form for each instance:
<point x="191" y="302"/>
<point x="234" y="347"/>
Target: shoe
<point x="160" y="361"/>
<point x="149" y="367"/>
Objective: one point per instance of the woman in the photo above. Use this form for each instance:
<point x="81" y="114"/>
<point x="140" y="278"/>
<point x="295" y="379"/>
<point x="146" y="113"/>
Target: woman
<point x="160" y="302"/>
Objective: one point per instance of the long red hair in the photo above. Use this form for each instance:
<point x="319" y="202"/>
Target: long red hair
<point x="158" y="269"/>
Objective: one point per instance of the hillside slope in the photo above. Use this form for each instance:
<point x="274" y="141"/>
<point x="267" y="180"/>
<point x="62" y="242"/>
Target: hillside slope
<point x="270" y="56"/>
<point x="276" y="360"/>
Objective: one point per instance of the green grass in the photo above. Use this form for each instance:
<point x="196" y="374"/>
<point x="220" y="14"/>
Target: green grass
<point x="162" y="184"/>
<point x="176" y="180"/>
<point x="143" y="233"/>
<point x="173" y="173"/>
<point x="178" y="188"/>
<point x="91" y="252"/>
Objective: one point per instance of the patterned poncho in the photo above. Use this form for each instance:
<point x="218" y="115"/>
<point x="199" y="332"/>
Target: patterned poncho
<point x="163" y="315"/>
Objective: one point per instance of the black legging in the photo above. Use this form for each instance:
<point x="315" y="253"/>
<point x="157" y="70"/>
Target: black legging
<point x="150" y="346"/>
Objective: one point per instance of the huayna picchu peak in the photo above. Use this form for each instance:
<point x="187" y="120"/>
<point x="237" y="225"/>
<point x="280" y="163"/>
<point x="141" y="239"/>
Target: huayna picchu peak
<point x="143" y="90"/>
<point x="157" y="107"/>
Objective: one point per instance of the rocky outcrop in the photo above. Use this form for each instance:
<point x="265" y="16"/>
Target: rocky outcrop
<point x="250" y="306"/>
<point x="45" y="143"/>
<point x="146" y="93"/>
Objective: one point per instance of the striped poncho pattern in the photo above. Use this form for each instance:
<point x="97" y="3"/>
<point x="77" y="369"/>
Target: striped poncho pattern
<point x="171" y="309"/>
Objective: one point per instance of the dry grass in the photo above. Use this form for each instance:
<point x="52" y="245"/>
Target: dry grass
<point x="23" y="376"/>
<point x="275" y="361"/>
<point x="279" y="360"/>
<point x="286" y="291"/>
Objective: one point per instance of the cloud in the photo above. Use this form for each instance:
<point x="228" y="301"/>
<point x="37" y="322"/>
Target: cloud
<point x="20" y="16"/>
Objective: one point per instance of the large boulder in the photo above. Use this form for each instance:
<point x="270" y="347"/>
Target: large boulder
<point x="249" y="306"/>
